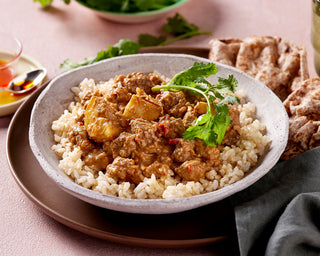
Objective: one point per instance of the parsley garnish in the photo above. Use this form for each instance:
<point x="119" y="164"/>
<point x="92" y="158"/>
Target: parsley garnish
<point x="208" y="127"/>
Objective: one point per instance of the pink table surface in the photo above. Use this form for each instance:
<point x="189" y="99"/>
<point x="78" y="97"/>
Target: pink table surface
<point x="75" y="32"/>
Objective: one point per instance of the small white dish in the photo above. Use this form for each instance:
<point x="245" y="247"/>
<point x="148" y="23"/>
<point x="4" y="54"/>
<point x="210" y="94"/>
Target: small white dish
<point x="137" y="17"/>
<point x="57" y="95"/>
<point x="24" y="64"/>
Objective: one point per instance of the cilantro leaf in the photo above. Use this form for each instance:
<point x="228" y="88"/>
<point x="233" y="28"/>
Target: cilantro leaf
<point x="178" y="25"/>
<point x="202" y="129"/>
<point x="181" y="29"/>
<point x="44" y="3"/>
<point x="145" y="5"/>
<point x="47" y="3"/>
<point x="150" y="40"/>
<point x="192" y="75"/>
<point x="208" y="127"/>
<point x="227" y="84"/>
<point x="111" y="5"/>
<point x="221" y="121"/>
<point x="127" y="46"/>
<point x="69" y="64"/>
<point x="123" y="47"/>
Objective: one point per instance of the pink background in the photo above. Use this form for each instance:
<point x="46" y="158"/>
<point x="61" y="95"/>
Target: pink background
<point x="75" y="32"/>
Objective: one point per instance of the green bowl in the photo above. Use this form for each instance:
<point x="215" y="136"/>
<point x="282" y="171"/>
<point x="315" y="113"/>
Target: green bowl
<point x="135" y="17"/>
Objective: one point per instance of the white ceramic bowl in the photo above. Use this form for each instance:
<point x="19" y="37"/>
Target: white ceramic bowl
<point x="136" y="17"/>
<point x="57" y="96"/>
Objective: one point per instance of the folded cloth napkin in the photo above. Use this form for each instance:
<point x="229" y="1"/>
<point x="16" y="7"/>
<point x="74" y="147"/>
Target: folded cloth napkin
<point x="280" y="214"/>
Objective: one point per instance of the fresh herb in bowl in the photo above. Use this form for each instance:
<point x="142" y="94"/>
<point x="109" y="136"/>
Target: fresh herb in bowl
<point x="125" y="6"/>
<point x="128" y="6"/>
<point x="177" y="27"/>
<point x="208" y="127"/>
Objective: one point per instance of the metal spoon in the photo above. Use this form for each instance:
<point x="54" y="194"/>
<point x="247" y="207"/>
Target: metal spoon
<point x="25" y="82"/>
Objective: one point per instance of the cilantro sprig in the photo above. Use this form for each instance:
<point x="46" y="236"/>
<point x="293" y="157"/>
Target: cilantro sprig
<point x="211" y="126"/>
<point x="123" y="47"/>
<point x="176" y="26"/>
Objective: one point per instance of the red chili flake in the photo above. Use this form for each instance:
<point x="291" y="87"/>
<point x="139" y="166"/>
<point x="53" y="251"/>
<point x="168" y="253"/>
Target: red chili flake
<point x="174" y="141"/>
<point x="136" y="139"/>
<point x="189" y="168"/>
<point x="165" y="128"/>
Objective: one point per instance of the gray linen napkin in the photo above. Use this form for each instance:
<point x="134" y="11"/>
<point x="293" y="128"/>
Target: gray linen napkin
<point x="280" y="214"/>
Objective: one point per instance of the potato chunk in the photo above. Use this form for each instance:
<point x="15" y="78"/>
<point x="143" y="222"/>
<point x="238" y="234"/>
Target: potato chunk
<point x="201" y="108"/>
<point x="143" y="106"/>
<point x="100" y="120"/>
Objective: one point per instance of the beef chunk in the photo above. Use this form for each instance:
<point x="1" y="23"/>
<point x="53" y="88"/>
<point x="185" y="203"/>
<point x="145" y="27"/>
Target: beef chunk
<point x="124" y="169"/>
<point x="192" y="170"/>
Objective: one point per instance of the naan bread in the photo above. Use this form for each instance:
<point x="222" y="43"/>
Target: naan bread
<point x="277" y="63"/>
<point x="303" y="108"/>
<point x="282" y="66"/>
<point x="225" y="50"/>
<point x="305" y="100"/>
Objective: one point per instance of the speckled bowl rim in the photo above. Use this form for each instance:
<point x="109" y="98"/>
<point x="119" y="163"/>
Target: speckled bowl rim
<point x="158" y="206"/>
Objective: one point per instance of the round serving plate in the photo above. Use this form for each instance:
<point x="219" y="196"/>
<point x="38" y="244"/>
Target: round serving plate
<point x="58" y="95"/>
<point x="202" y="226"/>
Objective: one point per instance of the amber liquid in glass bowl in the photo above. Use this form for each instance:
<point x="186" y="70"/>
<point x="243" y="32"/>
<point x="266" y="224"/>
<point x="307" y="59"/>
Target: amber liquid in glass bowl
<point x="6" y="75"/>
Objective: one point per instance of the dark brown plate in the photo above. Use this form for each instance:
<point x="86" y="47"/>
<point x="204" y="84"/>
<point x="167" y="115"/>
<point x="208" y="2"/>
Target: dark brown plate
<point x="202" y="226"/>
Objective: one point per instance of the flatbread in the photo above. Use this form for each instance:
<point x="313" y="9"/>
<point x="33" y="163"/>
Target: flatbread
<point x="303" y="108"/>
<point x="305" y="100"/>
<point x="225" y="50"/>
<point x="277" y="63"/>
<point x="282" y="66"/>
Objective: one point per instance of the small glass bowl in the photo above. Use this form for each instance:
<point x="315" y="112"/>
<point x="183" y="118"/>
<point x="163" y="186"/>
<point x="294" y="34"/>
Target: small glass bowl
<point x="10" y="52"/>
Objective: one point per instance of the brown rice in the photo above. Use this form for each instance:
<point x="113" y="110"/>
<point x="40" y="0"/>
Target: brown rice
<point x="236" y="161"/>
